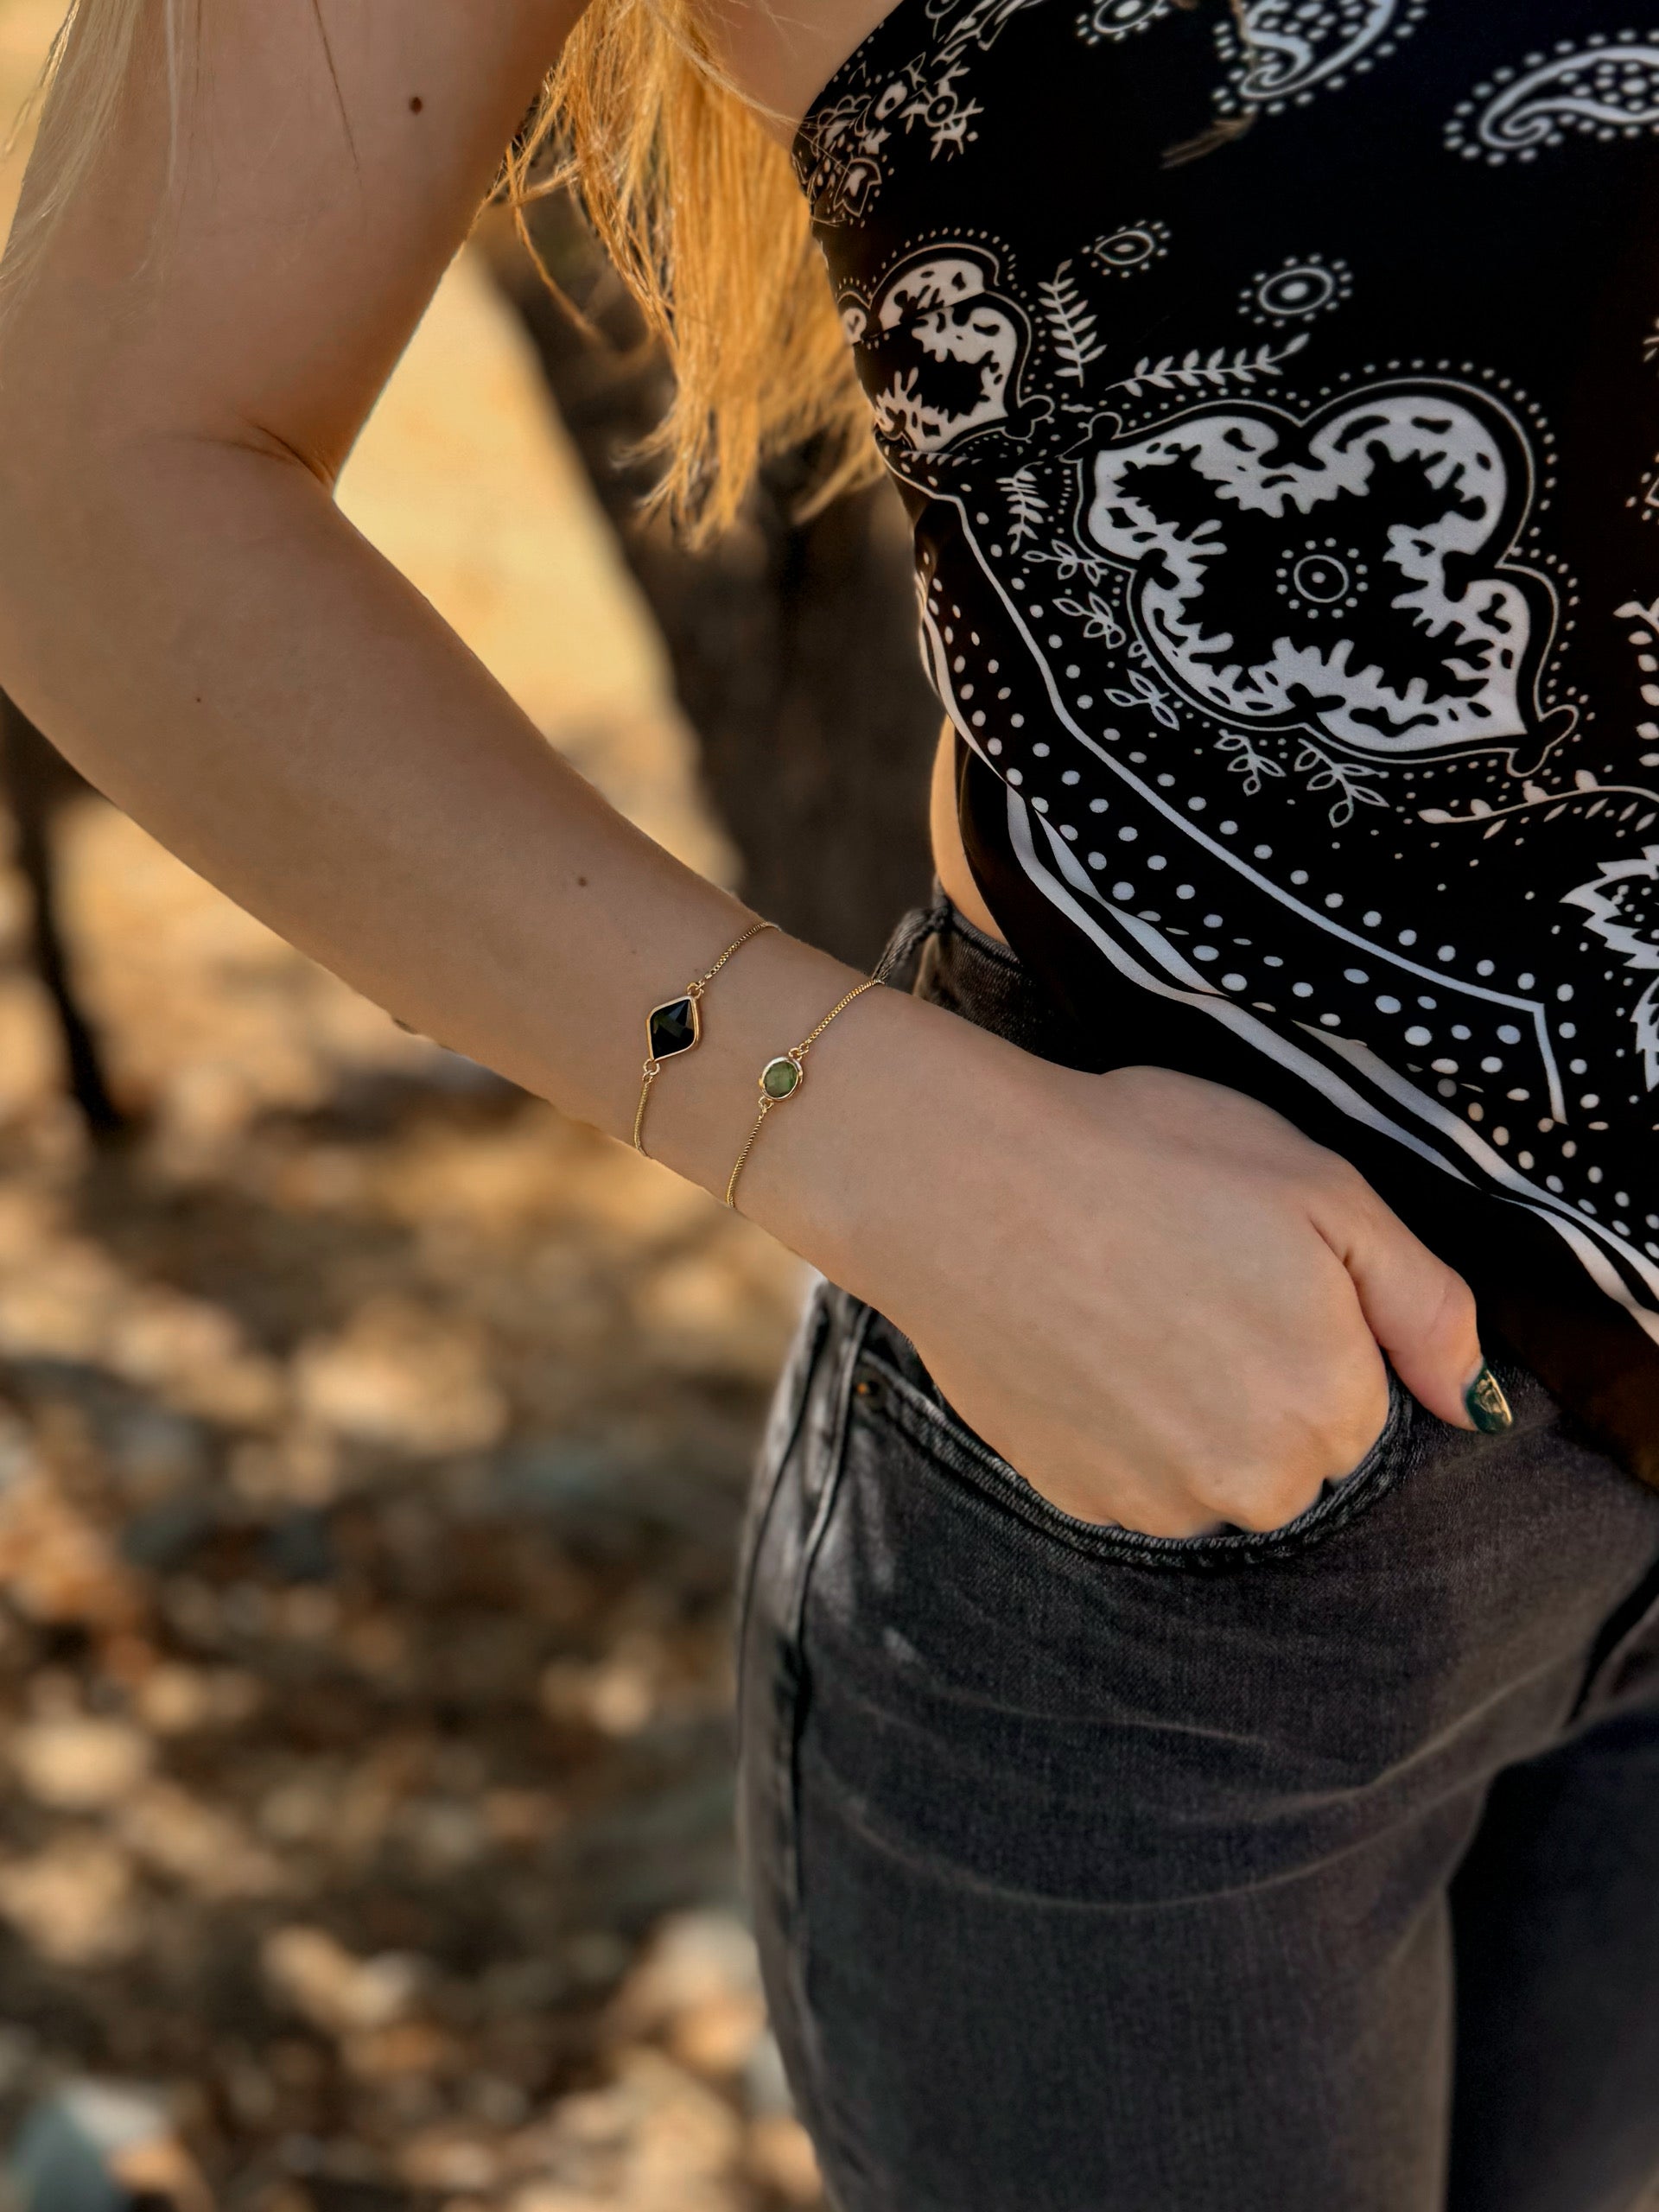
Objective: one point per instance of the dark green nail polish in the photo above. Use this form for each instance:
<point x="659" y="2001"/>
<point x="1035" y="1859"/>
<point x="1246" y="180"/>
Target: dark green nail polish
<point x="1488" y="1408"/>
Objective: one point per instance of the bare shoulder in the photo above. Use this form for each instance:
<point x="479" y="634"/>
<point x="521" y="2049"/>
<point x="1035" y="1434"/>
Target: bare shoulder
<point x="267" y="215"/>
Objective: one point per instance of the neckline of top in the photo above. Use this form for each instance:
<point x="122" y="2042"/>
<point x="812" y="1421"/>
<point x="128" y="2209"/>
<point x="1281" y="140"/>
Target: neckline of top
<point x="831" y="85"/>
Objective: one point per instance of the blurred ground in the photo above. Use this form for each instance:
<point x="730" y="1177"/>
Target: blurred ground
<point x="372" y="1444"/>
<point x="372" y="1448"/>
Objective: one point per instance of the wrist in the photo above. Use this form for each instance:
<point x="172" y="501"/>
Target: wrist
<point x="701" y="1106"/>
<point x="861" y="1170"/>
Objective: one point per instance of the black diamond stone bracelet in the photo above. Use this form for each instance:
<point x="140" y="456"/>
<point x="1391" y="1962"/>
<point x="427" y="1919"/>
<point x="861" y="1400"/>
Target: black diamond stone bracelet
<point x="675" y="1026"/>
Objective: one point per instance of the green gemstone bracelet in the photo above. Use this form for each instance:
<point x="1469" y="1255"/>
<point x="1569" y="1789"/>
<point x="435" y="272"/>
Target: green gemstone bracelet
<point x="782" y="1078"/>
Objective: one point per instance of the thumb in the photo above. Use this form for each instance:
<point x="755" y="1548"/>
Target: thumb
<point x="1422" y="1313"/>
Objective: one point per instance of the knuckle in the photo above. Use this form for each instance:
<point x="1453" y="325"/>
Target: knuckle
<point x="1260" y="1499"/>
<point x="1352" y="1446"/>
<point x="1277" y="1506"/>
<point x="1268" y="1490"/>
<point x="1347" y="1434"/>
<point x="1217" y="1491"/>
<point x="1339" y="1183"/>
<point x="1454" y="1320"/>
<point x="1370" y="1215"/>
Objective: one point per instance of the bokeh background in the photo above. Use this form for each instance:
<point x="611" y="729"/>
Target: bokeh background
<point x="372" y="1442"/>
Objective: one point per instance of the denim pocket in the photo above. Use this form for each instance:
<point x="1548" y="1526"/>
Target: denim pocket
<point x="893" y="1386"/>
<point x="778" y="1440"/>
<point x="797" y="1481"/>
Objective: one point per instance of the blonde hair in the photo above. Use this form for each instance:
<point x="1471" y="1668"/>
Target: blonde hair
<point x="695" y="205"/>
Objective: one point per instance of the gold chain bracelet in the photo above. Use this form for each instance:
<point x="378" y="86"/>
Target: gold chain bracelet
<point x="782" y="1078"/>
<point x="676" y="1026"/>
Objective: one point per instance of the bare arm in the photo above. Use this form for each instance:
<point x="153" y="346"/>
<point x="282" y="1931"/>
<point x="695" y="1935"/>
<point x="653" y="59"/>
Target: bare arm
<point x="186" y="613"/>
<point x="185" y="610"/>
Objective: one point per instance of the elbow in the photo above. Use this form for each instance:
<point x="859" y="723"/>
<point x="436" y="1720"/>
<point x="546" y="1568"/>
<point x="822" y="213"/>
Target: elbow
<point x="57" y="480"/>
<point x="60" y="439"/>
<point x="87" y="504"/>
<point x="109" y="478"/>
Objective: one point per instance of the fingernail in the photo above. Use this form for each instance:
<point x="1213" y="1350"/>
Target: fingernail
<point x="1488" y="1408"/>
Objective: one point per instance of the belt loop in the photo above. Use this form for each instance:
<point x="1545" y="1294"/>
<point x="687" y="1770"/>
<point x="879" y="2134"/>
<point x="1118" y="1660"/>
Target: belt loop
<point x="897" y="966"/>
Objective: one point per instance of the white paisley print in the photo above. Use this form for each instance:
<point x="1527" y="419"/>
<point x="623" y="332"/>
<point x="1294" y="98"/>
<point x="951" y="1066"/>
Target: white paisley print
<point x="1284" y="529"/>
<point x="1343" y="576"/>
<point x="1288" y="50"/>
<point x="846" y="141"/>
<point x="1604" y="88"/>
<point x="1119" y="18"/>
<point x="1276" y="51"/>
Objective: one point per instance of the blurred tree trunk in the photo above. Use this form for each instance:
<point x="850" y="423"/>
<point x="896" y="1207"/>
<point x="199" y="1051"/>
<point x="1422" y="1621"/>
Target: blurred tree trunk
<point x="792" y="643"/>
<point x="37" y="779"/>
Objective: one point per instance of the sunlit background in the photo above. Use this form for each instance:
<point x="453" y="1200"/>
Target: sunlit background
<point x="371" y="1448"/>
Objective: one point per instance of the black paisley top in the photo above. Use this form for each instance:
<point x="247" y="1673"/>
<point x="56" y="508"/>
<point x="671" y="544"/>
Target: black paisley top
<point x="1273" y="385"/>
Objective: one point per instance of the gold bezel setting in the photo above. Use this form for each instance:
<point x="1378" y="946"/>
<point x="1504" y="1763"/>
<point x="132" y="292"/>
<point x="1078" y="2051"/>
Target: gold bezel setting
<point x="689" y="1000"/>
<point x="781" y="1078"/>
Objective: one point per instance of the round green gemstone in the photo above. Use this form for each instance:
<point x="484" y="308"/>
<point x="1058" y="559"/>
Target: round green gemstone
<point x="780" y="1077"/>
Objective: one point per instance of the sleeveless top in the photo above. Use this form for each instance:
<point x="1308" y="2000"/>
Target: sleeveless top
<point x="1273" y="389"/>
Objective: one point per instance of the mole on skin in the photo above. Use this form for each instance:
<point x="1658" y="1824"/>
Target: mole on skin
<point x="416" y="105"/>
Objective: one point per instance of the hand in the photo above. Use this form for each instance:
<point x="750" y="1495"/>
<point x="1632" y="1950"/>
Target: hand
<point x="1161" y="1303"/>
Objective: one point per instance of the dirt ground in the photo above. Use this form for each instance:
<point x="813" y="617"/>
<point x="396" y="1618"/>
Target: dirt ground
<point x="371" y="1449"/>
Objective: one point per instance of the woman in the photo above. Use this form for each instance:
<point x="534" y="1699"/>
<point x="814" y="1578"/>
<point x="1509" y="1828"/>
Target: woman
<point x="1201" y="1746"/>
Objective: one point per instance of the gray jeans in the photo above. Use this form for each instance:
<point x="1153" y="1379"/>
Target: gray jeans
<point x="1315" y="1871"/>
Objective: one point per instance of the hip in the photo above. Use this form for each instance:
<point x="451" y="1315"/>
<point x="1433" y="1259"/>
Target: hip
<point x="1049" y="1766"/>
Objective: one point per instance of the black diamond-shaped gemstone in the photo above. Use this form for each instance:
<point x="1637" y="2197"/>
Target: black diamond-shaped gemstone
<point x="672" y="1029"/>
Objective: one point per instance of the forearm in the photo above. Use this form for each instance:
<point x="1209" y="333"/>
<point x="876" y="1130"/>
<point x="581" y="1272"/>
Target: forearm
<point x="223" y="655"/>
